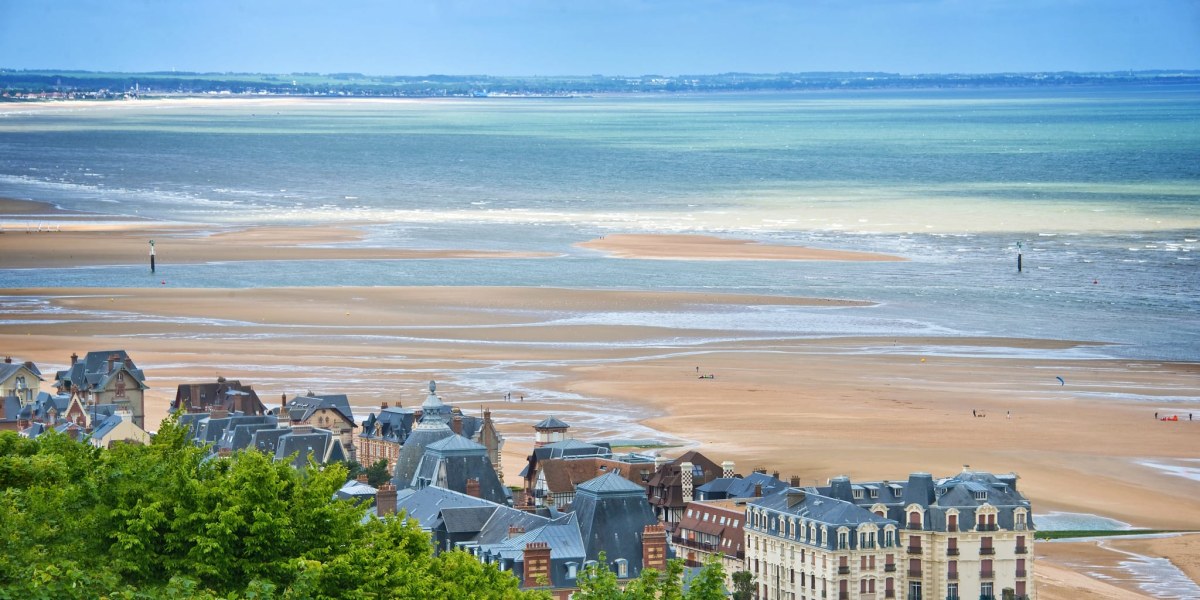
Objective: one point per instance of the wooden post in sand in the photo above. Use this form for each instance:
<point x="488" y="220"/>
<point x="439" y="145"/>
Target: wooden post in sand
<point x="151" y="256"/>
<point x="1018" y="257"/>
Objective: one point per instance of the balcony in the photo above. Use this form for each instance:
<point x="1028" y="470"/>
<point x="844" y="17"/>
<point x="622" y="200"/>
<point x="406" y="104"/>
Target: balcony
<point x="1020" y="527"/>
<point x="951" y="551"/>
<point x="1022" y="573"/>
<point x="889" y="593"/>
<point x="914" y="549"/>
<point x="952" y="575"/>
<point x="843" y="595"/>
<point x="889" y="568"/>
<point x="987" y="574"/>
<point x="1022" y="550"/>
<point x="952" y="528"/>
<point x="914" y="572"/>
<point x="983" y="527"/>
<point x="987" y="550"/>
<point x="843" y="570"/>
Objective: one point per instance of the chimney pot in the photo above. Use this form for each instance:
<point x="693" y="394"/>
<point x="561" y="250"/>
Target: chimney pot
<point x="473" y="488"/>
<point x="758" y="490"/>
<point x="795" y="482"/>
<point x="362" y="477"/>
<point x="8" y="360"/>
<point x="74" y="358"/>
<point x="383" y="406"/>
<point x="515" y="530"/>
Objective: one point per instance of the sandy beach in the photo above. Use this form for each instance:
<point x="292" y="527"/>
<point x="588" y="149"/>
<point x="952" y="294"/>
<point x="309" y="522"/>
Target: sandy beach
<point x="706" y="247"/>
<point x="867" y="407"/>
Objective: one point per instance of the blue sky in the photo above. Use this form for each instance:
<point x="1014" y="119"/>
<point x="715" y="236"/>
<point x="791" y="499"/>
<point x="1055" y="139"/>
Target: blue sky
<point x="614" y="37"/>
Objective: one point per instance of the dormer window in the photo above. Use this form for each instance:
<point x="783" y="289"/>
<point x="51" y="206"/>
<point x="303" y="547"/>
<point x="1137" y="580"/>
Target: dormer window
<point x="622" y="568"/>
<point x="858" y="494"/>
<point x="874" y="492"/>
<point x="572" y="570"/>
<point x="981" y="495"/>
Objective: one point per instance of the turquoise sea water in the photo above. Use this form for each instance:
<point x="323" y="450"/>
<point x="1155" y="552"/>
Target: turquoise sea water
<point x="1101" y="185"/>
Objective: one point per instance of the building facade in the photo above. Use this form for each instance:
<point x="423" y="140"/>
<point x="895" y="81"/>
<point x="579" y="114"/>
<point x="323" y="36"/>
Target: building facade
<point x="967" y="536"/>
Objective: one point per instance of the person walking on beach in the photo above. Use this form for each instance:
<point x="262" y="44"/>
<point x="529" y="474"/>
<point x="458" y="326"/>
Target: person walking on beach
<point x="1155" y="416"/>
<point x="973" y="413"/>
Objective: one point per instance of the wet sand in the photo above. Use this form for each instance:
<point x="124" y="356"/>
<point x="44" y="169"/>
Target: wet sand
<point x="1116" y="567"/>
<point x="705" y="247"/>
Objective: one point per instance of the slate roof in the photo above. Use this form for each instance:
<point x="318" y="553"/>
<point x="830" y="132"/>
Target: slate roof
<point x="8" y="369"/>
<point x="413" y="450"/>
<point x="562" y="475"/>
<point x="456" y="444"/>
<point x="739" y="487"/>
<point x="12" y="408"/>
<point x="391" y="424"/>
<point x="452" y="461"/>
<point x="467" y="518"/>
<point x="301" y="408"/>
<point x="613" y="513"/>
<point x="355" y="490"/>
<point x="229" y="394"/>
<point x="551" y="423"/>
<point x="830" y="512"/>
<point x="92" y="371"/>
<point x="425" y="505"/>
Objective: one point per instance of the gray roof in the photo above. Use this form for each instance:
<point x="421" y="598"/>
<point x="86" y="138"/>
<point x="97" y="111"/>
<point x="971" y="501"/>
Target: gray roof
<point x="610" y="484"/>
<point x="425" y="505"/>
<point x="456" y="445"/>
<point x="612" y="513"/>
<point x="7" y="370"/>
<point x="467" y="518"/>
<point x="551" y="423"/>
<point x="355" y="489"/>
<point x="302" y="407"/>
<point x="739" y="487"/>
<point x="413" y="450"/>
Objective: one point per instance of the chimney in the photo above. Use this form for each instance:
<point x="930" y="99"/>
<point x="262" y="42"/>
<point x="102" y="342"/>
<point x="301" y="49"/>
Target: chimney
<point x="282" y="401"/>
<point x="685" y="481"/>
<point x="795" y="481"/>
<point x="29" y="365"/>
<point x="514" y="531"/>
<point x="537" y="565"/>
<point x="383" y="406"/>
<point x="775" y="474"/>
<point x="218" y="413"/>
<point x="8" y="360"/>
<point x="456" y="424"/>
<point x="659" y="461"/>
<point x="654" y="548"/>
<point x="473" y="488"/>
<point x="224" y="452"/>
<point x="74" y="358"/>
<point x="727" y="469"/>
<point x="112" y="358"/>
<point x="758" y="490"/>
<point x="362" y="478"/>
<point x="760" y="469"/>
<point x="385" y="499"/>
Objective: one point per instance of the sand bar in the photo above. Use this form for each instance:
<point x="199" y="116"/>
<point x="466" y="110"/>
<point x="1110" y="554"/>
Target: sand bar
<point x="705" y="247"/>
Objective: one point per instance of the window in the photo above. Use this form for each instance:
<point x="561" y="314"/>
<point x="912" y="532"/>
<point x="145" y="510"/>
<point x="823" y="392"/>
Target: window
<point x="952" y="591"/>
<point x="622" y="568"/>
<point x="572" y="570"/>
<point x="985" y="591"/>
<point x="858" y="494"/>
<point x="981" y="495"/>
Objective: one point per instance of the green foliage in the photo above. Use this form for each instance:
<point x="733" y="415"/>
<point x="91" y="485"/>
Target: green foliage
<point x="377" y="474"/>
<point x="165" y="521"/>
<point x="743" y="585"/>
<point x="598" y="582"/>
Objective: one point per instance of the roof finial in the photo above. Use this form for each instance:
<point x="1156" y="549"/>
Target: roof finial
<point x="432" y="386"/>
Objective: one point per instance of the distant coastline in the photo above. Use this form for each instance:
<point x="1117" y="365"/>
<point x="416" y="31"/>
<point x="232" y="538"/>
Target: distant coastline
<point x="46" y="84"/>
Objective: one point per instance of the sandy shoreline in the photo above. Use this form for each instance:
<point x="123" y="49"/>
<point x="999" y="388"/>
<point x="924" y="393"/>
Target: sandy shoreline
<point x="705" y="247"/>
<point x="868" y="407"/>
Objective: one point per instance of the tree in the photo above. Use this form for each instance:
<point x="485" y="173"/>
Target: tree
<point x="743" y="585"/>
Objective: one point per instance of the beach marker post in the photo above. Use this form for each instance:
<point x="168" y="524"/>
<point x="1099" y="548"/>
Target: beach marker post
<point x="151" y="256"/>
<point x="1018" y="256"/>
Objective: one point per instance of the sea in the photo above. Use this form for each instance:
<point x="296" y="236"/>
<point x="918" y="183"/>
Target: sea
<point x="1098" y="188"/>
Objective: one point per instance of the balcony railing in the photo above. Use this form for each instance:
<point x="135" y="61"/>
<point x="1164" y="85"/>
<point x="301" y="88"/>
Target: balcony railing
<point x="952" y="575"/>
<point x="986" y="550"/>
<point x="951" y="528"/>
<point x="951" y="551"/>
<point x="914" y="572"/>
<point x="1022" y="549"/>
<point x="914" y="549"/>
<point x="889" y="593"/>
<point x="843" y="595"/>
<point x="985" y="527"/>
<point x="890" y="568"/>
<point x="987" y="574"/>
<point x="1020" y="526"/>
<point x="1021" y="573"/>
<point x="843" y="570"/>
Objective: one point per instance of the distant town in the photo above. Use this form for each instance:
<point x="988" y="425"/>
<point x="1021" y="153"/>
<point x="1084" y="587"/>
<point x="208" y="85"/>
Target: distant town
<point x="20" y="84"/>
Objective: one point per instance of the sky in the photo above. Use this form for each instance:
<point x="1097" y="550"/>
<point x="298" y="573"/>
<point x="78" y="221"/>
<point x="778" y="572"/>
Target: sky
<point x="610" y="37"/>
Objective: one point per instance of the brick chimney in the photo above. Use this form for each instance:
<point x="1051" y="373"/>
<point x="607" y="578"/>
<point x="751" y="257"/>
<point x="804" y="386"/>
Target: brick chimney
<point x="29" y="365"/>
<point x="727" y="469"/>
<point x="537" y="564"/>
<point x="112" y="358"/>
<point x="654" y="548"/>
<point x="383" y="406"/>
<point x="224" y="452"/>
<point x="362" y="478"/>
<point x="8" y="360"/>
<point x="74" y="358"/>
<point x="473" y="489"/>
<point x="456" y="424"/>
<point x="385" y="499"/>
<point x="685" y="481"/>
<point x="758" y="490"/>
<point x="218" y="413"/>
<point x="514" y="531"/>
<point x="795" y="482"/>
